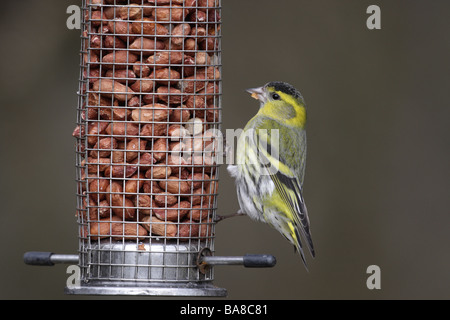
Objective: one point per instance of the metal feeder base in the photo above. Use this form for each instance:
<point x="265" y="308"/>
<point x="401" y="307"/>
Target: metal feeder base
<point x="161" y="268"/>
<point x="133" y="289"/>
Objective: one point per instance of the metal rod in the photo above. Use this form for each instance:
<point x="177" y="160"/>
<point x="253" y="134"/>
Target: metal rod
<point x="65" y="258"/>
<point x="248" y="260"/>
<point x="214" y="261"/>
<point x="49" y="259"/>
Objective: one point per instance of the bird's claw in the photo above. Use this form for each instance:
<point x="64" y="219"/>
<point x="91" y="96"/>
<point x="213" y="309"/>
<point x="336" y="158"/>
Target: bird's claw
<point x="221" y="218"/>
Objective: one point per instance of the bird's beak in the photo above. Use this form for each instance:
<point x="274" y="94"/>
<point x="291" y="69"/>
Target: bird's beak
<point x="257" y="93"/>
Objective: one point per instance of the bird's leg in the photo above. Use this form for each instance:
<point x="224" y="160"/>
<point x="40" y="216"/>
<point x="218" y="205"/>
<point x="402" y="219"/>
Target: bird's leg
<point x="221" y="218"/>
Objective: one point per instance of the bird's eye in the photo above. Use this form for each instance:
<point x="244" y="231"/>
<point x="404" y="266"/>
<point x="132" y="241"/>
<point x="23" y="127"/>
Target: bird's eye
<point x="276" y="96"/>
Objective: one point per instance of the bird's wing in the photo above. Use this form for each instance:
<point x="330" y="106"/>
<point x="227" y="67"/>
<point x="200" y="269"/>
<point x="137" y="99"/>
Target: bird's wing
<point x="289" y="188"/>
<point x="291" y="193"/>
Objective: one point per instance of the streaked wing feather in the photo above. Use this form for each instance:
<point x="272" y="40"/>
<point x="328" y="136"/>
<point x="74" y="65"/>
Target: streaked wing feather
<point x="288" y="186"/>
<point x="290" y="190"/>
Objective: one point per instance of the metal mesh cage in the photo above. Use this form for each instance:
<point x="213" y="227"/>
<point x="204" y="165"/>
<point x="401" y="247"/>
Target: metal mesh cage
<point x="148" y="113"/>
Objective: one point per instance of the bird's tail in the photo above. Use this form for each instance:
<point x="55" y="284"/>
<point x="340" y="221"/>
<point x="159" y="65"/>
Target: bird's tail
<point x="295" y="232"/>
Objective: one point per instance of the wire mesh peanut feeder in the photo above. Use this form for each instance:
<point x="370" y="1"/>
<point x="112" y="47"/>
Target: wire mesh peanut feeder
<point x="149" y="110"/>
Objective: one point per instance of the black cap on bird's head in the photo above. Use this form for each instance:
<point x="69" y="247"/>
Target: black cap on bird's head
<point x="285" y="88"/>
<point x="260" y="93"/>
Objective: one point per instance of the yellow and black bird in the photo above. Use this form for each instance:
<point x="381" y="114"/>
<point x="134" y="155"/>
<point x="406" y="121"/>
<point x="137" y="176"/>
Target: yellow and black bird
<point x="270" y="164"/>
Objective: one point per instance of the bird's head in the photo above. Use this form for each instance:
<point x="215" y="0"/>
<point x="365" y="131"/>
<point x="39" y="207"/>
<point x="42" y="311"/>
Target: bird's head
<point x="282" y="102"/>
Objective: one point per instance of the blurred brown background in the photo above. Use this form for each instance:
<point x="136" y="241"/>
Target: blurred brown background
<point x="378" y="175"/>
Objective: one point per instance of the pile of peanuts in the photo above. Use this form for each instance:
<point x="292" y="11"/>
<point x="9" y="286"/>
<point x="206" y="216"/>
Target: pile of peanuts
<point x="149" y="98"/>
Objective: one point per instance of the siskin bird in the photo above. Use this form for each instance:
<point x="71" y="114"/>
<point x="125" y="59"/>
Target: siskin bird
<point x="270" y="164"/>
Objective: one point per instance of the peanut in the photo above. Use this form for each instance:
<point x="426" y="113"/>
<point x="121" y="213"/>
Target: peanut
<point x="177" y="162"/>
<point x="141" y="70"/>
<point x="171" y="95"/>
<point x="187" y="230"/>
<point x="119" y="27"/>
<point x="199" y="32"/>
<point x="106" y="144"/>
<point x="96" y="165"/>
<point x="195" y="60"/>
<point x="175" y="13"/>
<point x="144" y="201"/>
<point x="145" y="161"/>
<point x="118" y="60"/>
<point x="173" y="213"/>
<point x="102" y="229"/>
<point x="198" y="197"/>
<point x="122" y="76"/>
<point x="96" y="18"/>
<point x="159" y="227"/>
<point x="120" y="170"/>
<point x="165" y="198"/>
<point x="123" y="207"/>
<point x="199" y="17"/>
<point x="198" y="180"/>
<point x="98" y="188"/>
<point x="134" y="147"/>
<point x="113" y="42"/>
<point x="147" y="26"/>
<point x="193" y="83"/>
<point x="129" y="12"/>
<point x="177" y="132"/>
<point x="194" y="145"/>
<point x="163" y="59"/>
<point x="104" y="210"/>
<point x="133" y="185"/>
<point x="151" y="113"/>
<point x="199" y="213"/>
<point x="111" y="88"/>
<point x="181" y="173"/>
<point x="94" y="130"/>
<point x="179" y="33"/>
<point x="128" y="231"/>
<point x="153" y="130"/>
<point x="158" y="172"/>
<point x="194" y="126"/>
<point x="197" y="104"/>
<point x="151" y="187"/>
<point x="160" y="149"/>
<point x="190" y="45"/>
<point x="98" y="211"/>
<point x="146" y="46"/>
<point x="114" y="189"/>
<point x="145" y="84"/>
<point x="180" y="114"/>
<point x="114" y="226"/>
<point x="120" y="130"/>
<point x="172" y="47"/>
<point x="212" y="113"/>
<point x="174" y="185"/>
<point x="203" y="163"/>
<point x="211" y="92"/>
<point x="209" y="44"/>
<point x="165" y="76"/>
